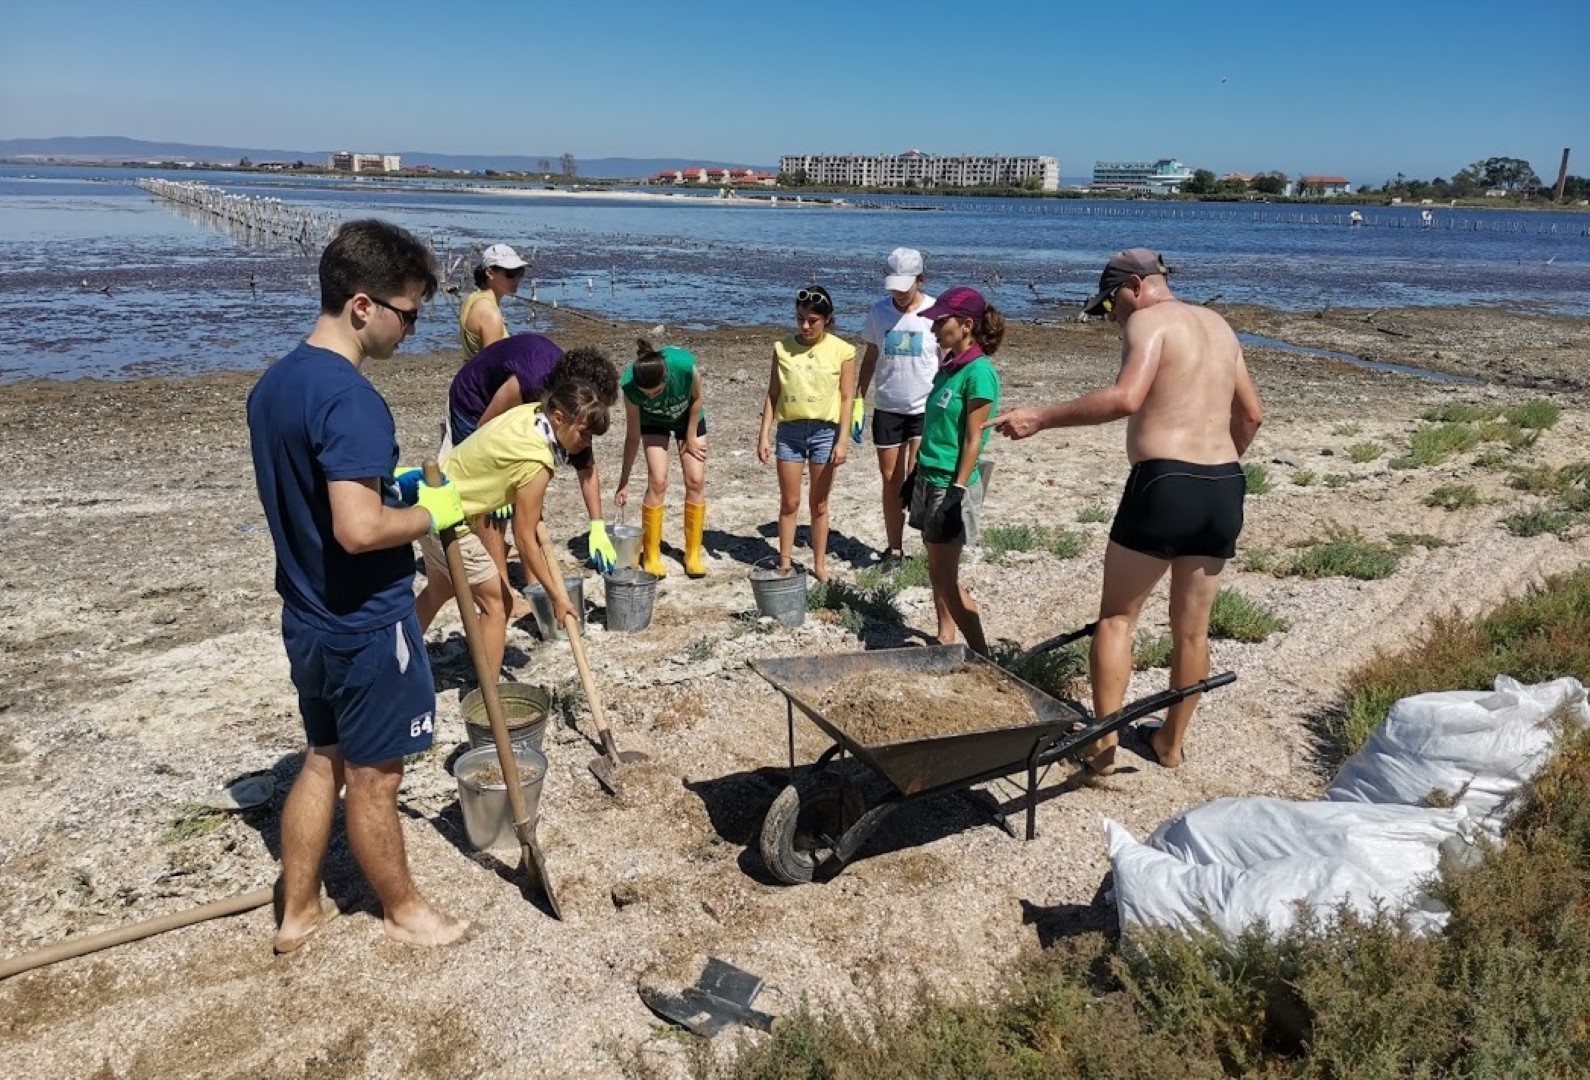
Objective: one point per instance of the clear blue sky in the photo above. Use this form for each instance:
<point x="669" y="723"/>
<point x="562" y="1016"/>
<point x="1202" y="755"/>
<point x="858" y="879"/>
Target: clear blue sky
<point x="1361" y="89"/>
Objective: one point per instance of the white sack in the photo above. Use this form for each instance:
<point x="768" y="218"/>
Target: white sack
<point x="1491" y="743"/>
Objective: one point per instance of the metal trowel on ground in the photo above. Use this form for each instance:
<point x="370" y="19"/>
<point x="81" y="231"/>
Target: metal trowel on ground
<point x="720" y="998"/>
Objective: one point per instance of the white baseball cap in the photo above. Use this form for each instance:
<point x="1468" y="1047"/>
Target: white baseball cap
<point x="502" y="255"/>
<point x="905" y="266"/>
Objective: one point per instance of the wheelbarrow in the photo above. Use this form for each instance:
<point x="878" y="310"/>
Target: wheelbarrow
<point x="820" y="821"/>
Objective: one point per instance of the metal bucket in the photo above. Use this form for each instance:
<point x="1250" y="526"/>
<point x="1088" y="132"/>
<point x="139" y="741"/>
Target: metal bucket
<point x="782" y="598"/>
<point x="630" y="596"/>
<point x="524" y="710"/>
<point x="488" y="823"/>
<point x="533" y="592"/>
<point x="626" y="541"/>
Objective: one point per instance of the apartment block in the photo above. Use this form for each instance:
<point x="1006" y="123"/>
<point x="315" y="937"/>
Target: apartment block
<point x="1164" y="176"/>
<point x="917" y="169"/>
<point x="345" y="161"/>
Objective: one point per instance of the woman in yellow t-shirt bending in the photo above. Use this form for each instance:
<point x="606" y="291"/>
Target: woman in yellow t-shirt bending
<point x="810" y="386"/>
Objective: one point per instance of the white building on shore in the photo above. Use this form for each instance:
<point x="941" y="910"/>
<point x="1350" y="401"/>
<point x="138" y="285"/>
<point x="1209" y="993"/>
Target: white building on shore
<point x="346" y="161"/>
<point x="1162" y="177"/>
<point x="916" y="169"/>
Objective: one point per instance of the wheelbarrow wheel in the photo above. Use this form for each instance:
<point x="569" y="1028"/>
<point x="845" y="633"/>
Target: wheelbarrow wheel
<point x="803" y="824"/>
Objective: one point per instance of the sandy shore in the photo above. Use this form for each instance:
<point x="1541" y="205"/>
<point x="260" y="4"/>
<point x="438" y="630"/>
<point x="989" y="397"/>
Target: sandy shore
<point x="143" y="669"/>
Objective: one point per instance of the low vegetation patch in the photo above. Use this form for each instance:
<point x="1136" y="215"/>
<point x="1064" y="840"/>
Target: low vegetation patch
<point x="1454" y="497"/>
<point x="1093" y="513"/>
<point x="856" y="603"/>
<point x="1303" y="477"/>
<point x="1151" y="650"/>
<point x="1258" y="478"/>
<point x="1348" y="430"/>
<point x="997" y="540"/>
<point x="1432" y="444"/>
<point x="1058" y="672"/>
<point x="1237" y="617"/>
<point x="1402" y="543"/>
<point x="1539" y="521"/>
<point x="1462" y="412"/>
<point x="193" y="820"/>
<point x="1501" y="992"/>
<point x="1365" y="451"/>
<point x="1538" y="414"/>
<point x="1344" y="553"/>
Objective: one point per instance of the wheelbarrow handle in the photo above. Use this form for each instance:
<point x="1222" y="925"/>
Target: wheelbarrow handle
<point x="1136" y="710"/>
<point x="1056" y="642"/>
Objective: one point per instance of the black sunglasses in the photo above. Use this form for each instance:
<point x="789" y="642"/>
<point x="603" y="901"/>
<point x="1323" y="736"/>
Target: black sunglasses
<point x="815" y="299"/>
<point x="1108" y="303"/>
<point x="410" y="318"/>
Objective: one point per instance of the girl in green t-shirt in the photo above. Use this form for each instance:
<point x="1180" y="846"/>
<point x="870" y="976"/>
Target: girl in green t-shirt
<point x="943" y="494"/>
<point x="662" y="400"/>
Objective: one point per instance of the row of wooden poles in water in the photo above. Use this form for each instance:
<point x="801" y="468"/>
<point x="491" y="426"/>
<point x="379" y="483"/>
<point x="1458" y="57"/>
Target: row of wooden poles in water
<point x="260" y="217"/>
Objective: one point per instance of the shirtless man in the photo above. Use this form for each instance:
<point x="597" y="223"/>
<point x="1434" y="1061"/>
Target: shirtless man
<point x="1191" y="412"/>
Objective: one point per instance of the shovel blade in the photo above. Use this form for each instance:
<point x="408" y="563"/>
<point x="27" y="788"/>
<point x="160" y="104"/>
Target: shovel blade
<point x="605" y="768"/>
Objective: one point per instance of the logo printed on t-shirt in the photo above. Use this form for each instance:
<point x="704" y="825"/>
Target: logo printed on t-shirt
<point x="902" y="343"/>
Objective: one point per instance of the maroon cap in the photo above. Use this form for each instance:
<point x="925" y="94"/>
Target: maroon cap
<point x="1124" y="265"/>
<point x="960" y="300"/>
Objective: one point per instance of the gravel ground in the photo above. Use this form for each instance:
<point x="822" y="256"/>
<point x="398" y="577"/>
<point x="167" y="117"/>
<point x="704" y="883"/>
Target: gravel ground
<point x="139" y="644"/>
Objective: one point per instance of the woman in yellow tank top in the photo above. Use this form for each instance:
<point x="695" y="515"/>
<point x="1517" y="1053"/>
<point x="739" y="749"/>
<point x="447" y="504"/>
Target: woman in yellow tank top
<point x="480" y="321"/>
<point x="810" y="386"/>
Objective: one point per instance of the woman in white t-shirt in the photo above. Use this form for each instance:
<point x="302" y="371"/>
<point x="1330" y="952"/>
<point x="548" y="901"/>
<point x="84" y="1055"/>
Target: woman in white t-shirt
<point x="904" y="355"/>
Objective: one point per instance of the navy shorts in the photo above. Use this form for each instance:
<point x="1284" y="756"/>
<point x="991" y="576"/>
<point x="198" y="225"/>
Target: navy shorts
<point x="891" y="429"/>
<point x="678" y="431"/>
<point x="1170" y="509"/>
<point x="805" y="440"/>
<point x="368" y="693"/>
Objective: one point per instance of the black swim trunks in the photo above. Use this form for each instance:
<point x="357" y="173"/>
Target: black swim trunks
<point x="1174" y="508"/>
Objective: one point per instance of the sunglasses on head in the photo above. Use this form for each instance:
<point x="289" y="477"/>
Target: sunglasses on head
<point x="815" y="299"/>
<point x="410" y="318"/>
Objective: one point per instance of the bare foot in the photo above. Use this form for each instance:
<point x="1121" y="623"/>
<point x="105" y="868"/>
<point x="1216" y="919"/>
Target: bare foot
<point x="1168" y="757"/>
<point x="1101" y="762"/>
<point x="425" y="927"/>
<point x="293" y="932"/>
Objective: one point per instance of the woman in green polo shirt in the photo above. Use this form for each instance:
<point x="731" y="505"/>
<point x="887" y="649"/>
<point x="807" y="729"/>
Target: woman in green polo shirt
<point x="662" y="398"/>
<point x="943" y="494"/>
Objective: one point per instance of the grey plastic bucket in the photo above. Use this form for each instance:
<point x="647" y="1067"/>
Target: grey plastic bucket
<point x="524" y="710"/>
<point x="533" y="592"/>
<point x="626" y="542"/>
<point x="630" y="596"/>
<point x="781" y="598"/>
<point x="488" y="823"/>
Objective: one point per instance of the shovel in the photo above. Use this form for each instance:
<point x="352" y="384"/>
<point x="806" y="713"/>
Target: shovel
<point x="604" y="766"/>
<point x="523" y="827"/>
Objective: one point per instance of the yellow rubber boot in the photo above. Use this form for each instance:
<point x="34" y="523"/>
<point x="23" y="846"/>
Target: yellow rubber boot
<point x="695" y="525"/>
<point x="651" y="523"/>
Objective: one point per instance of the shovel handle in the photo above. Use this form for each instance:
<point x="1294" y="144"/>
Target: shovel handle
<point x="571" y="626"/>
<point x="486" y="677"/>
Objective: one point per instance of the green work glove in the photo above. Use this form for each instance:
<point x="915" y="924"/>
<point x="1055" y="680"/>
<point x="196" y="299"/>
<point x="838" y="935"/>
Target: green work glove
<point x="858" y="414"/>
<point x="603" y="555"/>
<point x="443" y="504"/>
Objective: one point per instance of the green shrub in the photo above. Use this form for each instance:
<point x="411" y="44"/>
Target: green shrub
<point x="1093" y="513"/>
<point x="1402" y="543"/>
<point x="1538" y="521"/>
<point x="1431" y="444"/>
<point x="1236" y="617"/>
<point x="192" y="820"/>
<point x="874" y="602"/>
<point x="1505" y="431"/>
<point x="1365" y="451"/>
<point x="1347" y="431"/>
<point x="1302" y="477"/>
<point x="1344" y="553"/>
<point x="1538" y="414"/>
<point x="1058" y="672"/>
<point x="1339" y="480"/>
<point x="1151" y="650"/>
<point x="1454" y="497"/>
<point x="1257" y="560"/>
<point x="1061" y="543"/>
<point x="1460" y="412"/>
<point x="913" y="573"/>
<point x="1492" y="458"/>
<point x="1258" y="478"/>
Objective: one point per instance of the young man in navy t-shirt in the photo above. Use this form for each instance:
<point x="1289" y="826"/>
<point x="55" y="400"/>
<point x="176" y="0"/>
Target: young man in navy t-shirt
<point x="325" y="449"/>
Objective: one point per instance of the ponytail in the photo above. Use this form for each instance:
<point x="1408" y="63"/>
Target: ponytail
<point x="650" y="367"/>
<point x="989" y="331"/>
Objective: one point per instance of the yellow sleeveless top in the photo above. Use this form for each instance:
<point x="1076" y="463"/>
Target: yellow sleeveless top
<point x="468" y="338"/>
<point x="808" y="378"/>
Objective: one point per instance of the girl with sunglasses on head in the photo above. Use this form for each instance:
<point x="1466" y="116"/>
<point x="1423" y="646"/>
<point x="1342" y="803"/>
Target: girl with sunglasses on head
<point x="943" y="494"/>
<point x="480" y="321"/>
<point x="811" y="385"/>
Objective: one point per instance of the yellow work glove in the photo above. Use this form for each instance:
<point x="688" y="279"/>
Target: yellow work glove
<point x="858" y="414"/>
<point x="603" y="555"/>
<point x="443" y="504"/>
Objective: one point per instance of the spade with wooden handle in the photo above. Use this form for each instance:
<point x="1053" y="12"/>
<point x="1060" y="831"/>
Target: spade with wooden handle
<point x="524" y="828"/>
<point x="602" y="767"/>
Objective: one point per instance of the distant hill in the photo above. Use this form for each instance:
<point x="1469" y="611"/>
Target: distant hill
<point x="120" y="148"/>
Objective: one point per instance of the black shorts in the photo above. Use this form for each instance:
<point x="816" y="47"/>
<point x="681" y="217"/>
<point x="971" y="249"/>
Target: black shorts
<point x="1173" y="508"/>
<point x="891" y="429"/>
<point x="676" y="430"/>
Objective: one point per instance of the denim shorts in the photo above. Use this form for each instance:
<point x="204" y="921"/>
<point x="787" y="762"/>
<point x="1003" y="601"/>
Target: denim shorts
<point x="806" y="440"/>
<point x="369" y="693"/>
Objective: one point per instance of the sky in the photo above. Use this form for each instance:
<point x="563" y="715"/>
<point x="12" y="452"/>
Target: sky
<point x="1364" y="90"/>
